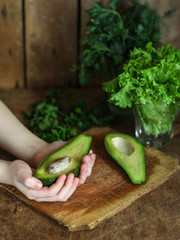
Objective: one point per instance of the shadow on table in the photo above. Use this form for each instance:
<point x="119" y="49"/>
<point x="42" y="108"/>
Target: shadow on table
<point x="173" y="148"/>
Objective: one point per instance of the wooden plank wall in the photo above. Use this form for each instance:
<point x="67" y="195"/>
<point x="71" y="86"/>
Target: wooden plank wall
<point x="171" y="34"/>
<point x="40" y="40"/>
<point x="51" y="42"/>
<point x="11" y="44"/>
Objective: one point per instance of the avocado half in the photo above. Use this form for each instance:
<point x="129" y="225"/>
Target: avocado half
<point x="129" y="154"/>
<point x="72" y="152"/>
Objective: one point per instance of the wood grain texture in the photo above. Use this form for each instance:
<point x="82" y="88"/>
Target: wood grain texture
<point x="51" y="42"/>
<point x="155" y="215"/>
<point x="107" y="191"/>
<point x="11" y="44"/>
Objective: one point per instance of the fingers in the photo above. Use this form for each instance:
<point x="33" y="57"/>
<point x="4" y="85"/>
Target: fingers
<point x="47" y="192"/>
<point x="33" y="183"/>
<point x="57" y="192"/>
<point x="61" y="190"/>
<point x="23" y="175"/>
<point x="90" y="151"/>
<point x="54" y="188"/>
<point x="86" y="167"/>
<point x="69" y="187"/>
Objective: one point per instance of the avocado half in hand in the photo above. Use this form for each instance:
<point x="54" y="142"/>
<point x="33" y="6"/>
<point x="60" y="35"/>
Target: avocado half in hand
<point x="129" y="154"/>
<point x="66" y="160"/>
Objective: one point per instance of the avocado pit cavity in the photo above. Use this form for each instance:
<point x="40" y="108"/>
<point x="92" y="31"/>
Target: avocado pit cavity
<point x="59" y="165"/>
<point x="122" y="145"/>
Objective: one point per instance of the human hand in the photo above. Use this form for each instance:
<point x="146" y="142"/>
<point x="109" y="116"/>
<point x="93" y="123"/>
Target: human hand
<point x="32" y="188"/>
<point x="47" y="149"/>
<point x="86" y="166"/>
<point x="61" y="190"/>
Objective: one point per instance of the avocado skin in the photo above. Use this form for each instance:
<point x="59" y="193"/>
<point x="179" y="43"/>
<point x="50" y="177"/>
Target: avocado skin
<point x="137" y="169"/>
<point x="51" y="178"/>
<point x="50" y="181"/>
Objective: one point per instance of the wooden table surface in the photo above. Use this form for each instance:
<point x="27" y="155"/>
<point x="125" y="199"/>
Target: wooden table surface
<point x="155" y="216"/>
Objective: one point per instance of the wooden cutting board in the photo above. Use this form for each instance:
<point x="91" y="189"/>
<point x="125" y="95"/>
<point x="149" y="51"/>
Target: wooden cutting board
<point x="107" y="191"/>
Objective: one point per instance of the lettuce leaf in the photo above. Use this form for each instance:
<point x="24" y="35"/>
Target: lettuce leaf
<point x="149" y="74"/>
<point x="155" y="117"/>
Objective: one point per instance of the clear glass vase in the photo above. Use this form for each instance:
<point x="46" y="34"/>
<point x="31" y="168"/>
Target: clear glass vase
<point x="154" y="122"/>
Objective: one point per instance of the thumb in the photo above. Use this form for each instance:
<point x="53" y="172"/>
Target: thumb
<point x="26" y="178"/>
<point x="33" y="183"/>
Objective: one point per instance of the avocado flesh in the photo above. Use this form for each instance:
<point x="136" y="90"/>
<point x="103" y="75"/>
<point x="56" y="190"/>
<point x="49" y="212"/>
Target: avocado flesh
<point x="76" y="149"/>
<point x="129" y="154"/>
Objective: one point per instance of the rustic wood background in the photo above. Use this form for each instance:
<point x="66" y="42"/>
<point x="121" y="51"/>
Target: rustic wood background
<point x="40" y="40"/>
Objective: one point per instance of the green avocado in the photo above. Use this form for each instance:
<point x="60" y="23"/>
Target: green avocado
<point x="66" y="160"/>
<point x="129" y="154"/>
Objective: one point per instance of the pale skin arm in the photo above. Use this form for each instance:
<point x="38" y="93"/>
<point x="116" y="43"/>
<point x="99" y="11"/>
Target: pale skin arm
<point x="30" y="151"/>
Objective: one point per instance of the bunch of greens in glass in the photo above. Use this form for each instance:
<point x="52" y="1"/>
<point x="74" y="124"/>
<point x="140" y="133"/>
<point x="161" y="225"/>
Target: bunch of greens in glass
<point x="150" y="83"/>
<point x="112" y="32"/>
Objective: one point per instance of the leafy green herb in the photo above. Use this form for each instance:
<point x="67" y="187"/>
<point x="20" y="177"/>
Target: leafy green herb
<point x="114" y="4"/>
<point x="151" y="83"/>
<point x="83" y="118"/>
<point x="44" y="119"/>
<point x="50" y="122"/>
<point x="112" y="33"/>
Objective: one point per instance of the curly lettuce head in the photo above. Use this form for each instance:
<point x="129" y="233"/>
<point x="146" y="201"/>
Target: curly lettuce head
<point x="149" y="74"/>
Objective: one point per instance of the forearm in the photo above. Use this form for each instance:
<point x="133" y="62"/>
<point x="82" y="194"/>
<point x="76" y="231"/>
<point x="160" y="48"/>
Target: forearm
<point x="5" y="173"/>
<point x="15" y="137"/>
